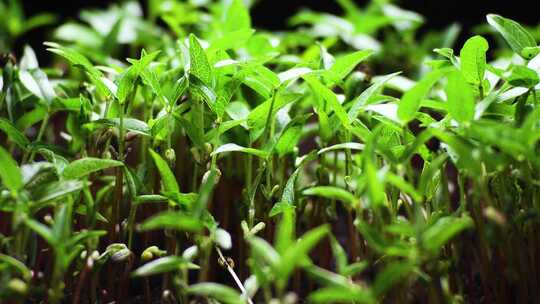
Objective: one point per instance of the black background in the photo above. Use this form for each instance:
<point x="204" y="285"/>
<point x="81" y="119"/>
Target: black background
<point x="273" y="14"/>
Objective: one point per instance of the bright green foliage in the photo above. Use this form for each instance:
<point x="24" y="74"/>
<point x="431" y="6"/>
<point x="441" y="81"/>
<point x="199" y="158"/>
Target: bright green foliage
<point x="236" y="17"/>
<point x="172" y="220"/>
<point x="473" y="59"/>
<point x="515" y="35"/>
<point x="342" y="161"/>
<point x="199" y="66"/>
<point x="411" y="100"/>
<point x="460" y="97"/>
<point x="84" y="166"/>
<point x="13" y="133"/>
<point x="11" y="176"/>
<point x="167" y="176"/>
<point x="219" y="292"/>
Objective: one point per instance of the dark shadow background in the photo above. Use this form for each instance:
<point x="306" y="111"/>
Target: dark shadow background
<point x="273" y="14"/>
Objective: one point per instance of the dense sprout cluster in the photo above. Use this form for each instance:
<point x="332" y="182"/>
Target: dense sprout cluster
<point x="347" y="160"/>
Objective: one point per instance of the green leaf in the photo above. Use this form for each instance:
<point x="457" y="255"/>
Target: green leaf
<point x="74" y="57"/>
<point x="293" y="73"/>
<point x="21" y="267"/>
<point x="216" y="291"/>
<point x="9" y="171"/>
<point x="340" y="255"/>
<point x="287" y="197"/>
<point x="327" y="60"/>
<point x="129" y="77"/>
<point x="38" y="20"/>
<point x="448" y="53"/>
<point x="29" y="59"/>
<point x="403" y="185"/>
<point x="126" y="84"/>
<point x="391" y="275"/>
<point x="195" y="133"/>
<point x="515" y="35"/>
<point x="351" y="294"/>
<point x="461" y="151"/>
<point x="130" y="124"/>
<point x="522" y="76"/>
<point x="37" y="82"/>
<point x="167" y="177"/>
<point x="163" y="265"/>
<point x="85" y="166"/>
<point x="205" y="193"/>
<point x="30" y="118"/>
<point x="79" y="60"/>
<point x="172" y="220"/>
<point x="411" y="100"/>
<point x="355" y="268"/>
<point x="61" y="228"/>
<point x="375" y="186"/>
<point x="363" y="99"/>
<point x="83" y="236"/>
<point x="231" y="40"/>
<point x="262" y="250"/>
<point x="185" y="199"/>
<point x="41" y="229"/>
<point x="280" y="207"/>
<point x="327" y="94"/>
<point x="55" y="190"/>
<point x="236" y="17"/>
<point x="444" y="229"/>
<point x="72" y="31"/>
<point x="326" y="277"/>
<point x="297" y="252"/>
<point x="14" y="134"/>
<point x="377" y="241"/>
<point x="332" y="192"/>
<point x="199" y="66"/>
<point x="231" y="147"/>
<point x="473" y="59"/>
<point x="202" y="90"/>
<point x="345" y="64"/>
<point x="290" y="136"/>
<point x="176" y="90"/>
<point x="530" y="52"/>
<point x="460" y="96"/>
<point x="342" y="146"/>
<point x="285" y="231"/>
<point x="257" y="117"/>
<point x="259" y="78"/>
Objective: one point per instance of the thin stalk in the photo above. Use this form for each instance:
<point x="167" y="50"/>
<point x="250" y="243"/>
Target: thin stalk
<point x="41" y="132"/>
<point x="147" y="291"/>
<point x="269" y="125"/>
<point x="82" y="277"/>
<point x="171" y="244"/>
<point x="269" y="131"/>
<point x="121" y="133"/>
<point x="90" y="206"/>
<point x="118" y="196"/>
<point x="204" y="259"/>
<point x="249" y="178"/>
<point x="234" y="276"/>
<point x="131" y="224"/>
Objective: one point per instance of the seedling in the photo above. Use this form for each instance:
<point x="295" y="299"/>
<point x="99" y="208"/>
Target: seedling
<point x="184" y="156"/>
